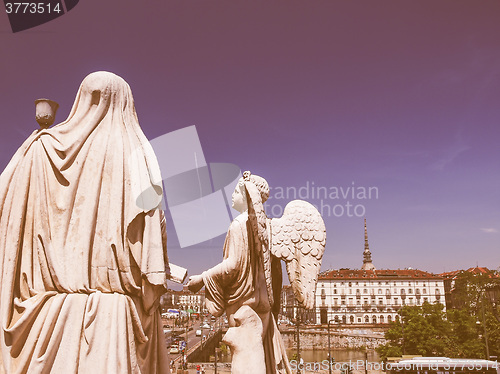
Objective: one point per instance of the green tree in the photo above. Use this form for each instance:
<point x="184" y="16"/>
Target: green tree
<point x="426" y="330"/>
<point x="423" y="330"/>
<point x="470" y="297"/>
<point x="465" y="334"/>
<point x="493" y="329"/>
<point x="468" y="289"/>
<point x="460" y="332"/>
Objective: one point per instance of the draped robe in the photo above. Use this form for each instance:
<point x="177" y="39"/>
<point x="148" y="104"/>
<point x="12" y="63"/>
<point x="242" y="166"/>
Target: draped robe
<point x="239" y="281"/>
<point x="82" y="244"/>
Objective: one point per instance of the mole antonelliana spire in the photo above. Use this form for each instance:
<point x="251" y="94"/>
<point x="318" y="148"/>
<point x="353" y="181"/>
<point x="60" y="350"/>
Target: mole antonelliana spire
<point x="367" y="255"/>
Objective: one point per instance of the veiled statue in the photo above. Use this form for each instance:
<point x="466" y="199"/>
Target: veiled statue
<point x="246" y="285"/>
<point x="83" y="258"/>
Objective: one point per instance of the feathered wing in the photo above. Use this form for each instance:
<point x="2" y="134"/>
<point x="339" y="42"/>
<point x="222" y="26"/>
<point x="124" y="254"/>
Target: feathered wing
<point x="299" y="238"/>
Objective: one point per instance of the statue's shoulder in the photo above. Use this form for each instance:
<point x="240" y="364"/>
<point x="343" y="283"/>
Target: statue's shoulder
<point x="239" y="222"/>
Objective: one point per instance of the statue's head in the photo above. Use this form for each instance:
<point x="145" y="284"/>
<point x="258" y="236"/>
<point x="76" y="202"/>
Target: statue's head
<point x="105" y="90"/>
<point x="239" y="194"/>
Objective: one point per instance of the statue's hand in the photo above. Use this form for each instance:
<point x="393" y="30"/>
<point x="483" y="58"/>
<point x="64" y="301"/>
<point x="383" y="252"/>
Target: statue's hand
<point x="195" y="283"/>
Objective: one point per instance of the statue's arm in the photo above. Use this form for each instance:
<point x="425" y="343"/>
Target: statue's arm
<point x="175" y="273"/>
<point x="225" y="272"/>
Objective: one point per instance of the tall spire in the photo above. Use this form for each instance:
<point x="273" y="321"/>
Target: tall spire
<point x="367" y="255"/>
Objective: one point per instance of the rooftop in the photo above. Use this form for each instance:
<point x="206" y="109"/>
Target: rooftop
<point x="474" y="270"/>
<point x="384" y="274"/>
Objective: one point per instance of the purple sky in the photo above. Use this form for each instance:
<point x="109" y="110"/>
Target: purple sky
<point x="401" y="96"/>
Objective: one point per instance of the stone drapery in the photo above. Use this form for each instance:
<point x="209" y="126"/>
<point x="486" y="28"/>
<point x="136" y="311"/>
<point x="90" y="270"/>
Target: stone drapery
<point x="82" y="252"/>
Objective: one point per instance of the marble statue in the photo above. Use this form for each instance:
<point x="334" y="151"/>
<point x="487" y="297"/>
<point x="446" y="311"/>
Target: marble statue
<point x="246" y="285"/>
<point x="83" y="256"/>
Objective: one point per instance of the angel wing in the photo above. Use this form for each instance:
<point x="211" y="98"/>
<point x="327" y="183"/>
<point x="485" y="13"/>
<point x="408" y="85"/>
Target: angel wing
<point x="299" y="238"/>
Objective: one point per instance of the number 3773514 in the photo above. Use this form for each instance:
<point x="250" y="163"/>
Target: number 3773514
<point x="33" y="8"/>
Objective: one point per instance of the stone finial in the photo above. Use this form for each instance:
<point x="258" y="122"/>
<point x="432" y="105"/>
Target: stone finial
<point x="45" y="112"/>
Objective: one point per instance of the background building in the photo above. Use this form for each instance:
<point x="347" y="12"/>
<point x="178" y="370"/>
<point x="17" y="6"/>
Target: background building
<point x="476" y="280"/>
<point x="291" y="310"/>
<point x="371" y="296"/>
<point x="184" y="300"/>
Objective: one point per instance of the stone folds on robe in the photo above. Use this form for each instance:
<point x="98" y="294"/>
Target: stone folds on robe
<point x="82" y="261"/>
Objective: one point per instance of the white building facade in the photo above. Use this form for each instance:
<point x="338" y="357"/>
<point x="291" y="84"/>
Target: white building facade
<point x="187" y="300"/>
<point x="184" y="300"/>
<point x="348" y="296"/>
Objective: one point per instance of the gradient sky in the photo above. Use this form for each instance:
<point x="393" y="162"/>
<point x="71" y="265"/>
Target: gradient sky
<point x="398" y="95"/>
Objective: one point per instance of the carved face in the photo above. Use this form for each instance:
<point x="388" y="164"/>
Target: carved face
<point x="239" y="200"/>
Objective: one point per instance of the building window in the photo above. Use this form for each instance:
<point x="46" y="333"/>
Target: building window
<point x="367" y="319"/>
<point x="410" y="290"/>
<point x="402" y="291"/>
<point x="437" y="291"/>
<point x="410" y="301"/>
<point x="365" y="291"/>
<point x="424" y="291"/>
<point x="380" y="291"/>
<point x="374" y="319"/>
<point x="381" y="319"/>
<point x="335" y="291"/>
<point x="395" y="301"/>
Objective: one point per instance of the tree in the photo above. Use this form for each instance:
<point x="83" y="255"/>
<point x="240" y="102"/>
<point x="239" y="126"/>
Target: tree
<point x="426" y="330"/>
<point x="423" y="330"/>
<point x="493" y="329"/>
<point x="465" y="334"/>
<point x="460" y="332"/>
<point x="475" y="297"/>
<point x="469" y="289"/>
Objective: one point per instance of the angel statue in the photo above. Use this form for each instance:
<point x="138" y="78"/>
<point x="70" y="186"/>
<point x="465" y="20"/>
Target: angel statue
<point x="247" y="283"/>
<point x="83" y="255"/>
